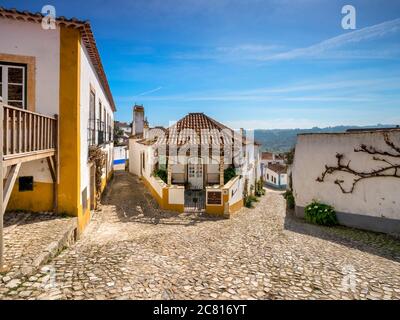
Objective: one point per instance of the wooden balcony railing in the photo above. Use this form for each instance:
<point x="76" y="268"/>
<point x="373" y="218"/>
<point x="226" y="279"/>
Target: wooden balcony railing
<point x="27" y="134"/>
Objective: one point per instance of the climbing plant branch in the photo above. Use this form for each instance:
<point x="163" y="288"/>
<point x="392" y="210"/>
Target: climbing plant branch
<point x="389" y="170"/>
<point x="98" y="157"/>
<point x="372" y="150"/>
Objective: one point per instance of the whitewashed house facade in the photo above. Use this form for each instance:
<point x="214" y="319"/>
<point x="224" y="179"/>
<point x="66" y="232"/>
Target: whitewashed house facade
<point x="195" y="152"/>
<point x="55" y="90"/>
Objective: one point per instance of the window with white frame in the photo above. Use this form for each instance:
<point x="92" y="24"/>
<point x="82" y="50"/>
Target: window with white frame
<point x="13" y="84"/>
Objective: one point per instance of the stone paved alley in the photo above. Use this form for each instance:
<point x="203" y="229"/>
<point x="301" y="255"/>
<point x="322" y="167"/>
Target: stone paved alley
<point x="133" y="250"/>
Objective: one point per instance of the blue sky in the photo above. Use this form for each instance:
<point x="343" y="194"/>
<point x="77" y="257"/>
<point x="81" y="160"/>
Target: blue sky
<point x="247" y="63"/>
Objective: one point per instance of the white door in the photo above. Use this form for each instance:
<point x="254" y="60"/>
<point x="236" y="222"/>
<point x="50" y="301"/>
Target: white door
<point x="195" y="174"/>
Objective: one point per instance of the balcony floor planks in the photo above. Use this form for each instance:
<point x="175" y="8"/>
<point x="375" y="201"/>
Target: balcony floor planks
<point x="16" y="158"/>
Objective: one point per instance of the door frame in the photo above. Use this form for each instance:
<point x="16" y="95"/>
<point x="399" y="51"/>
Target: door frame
<point x="198" y="164"/>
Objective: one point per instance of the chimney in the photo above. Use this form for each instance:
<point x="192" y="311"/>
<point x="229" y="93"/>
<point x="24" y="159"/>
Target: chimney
<point x="138" y="120"/>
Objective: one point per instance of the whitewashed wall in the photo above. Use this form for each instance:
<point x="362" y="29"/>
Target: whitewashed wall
<point x="156" y="183"/>
<point x="89" y="79"/>
<point x="29" y="39"/>
<point x="121" y="152"/>
<point x="374" y="203"/>
<point x="268" y="174"/>
<point x="235" y="189"/>
<point x="176" y="195"/>
<point x="120" y="156"/>
<point x="135" y="150"/>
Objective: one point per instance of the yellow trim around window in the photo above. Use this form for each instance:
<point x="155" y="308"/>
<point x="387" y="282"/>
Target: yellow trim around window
<point x="30" y="63"/>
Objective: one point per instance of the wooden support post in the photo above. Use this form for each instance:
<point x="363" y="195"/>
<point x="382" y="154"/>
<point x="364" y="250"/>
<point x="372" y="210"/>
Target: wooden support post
<point x="9" y="185"/>
<point x="54" y="144"/>
<point x="221" y="170"/>
<point x="1" y="190"/>
<point x="169" y="172"/>
<point x="51" y="162"/>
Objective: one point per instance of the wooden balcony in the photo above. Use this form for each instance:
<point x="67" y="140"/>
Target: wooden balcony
<point x="24" y="136"/>
<point x="27" y="136"/>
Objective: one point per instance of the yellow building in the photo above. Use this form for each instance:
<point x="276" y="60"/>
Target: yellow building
<point x="57" y="105"/>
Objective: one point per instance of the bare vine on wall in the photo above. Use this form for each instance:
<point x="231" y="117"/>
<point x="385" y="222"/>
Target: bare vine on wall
<point x="386" y="158"/>
<point x="98" y="157"/>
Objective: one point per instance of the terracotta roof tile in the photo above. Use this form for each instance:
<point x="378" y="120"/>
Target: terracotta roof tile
<point x="270" y="156"/>
<point x="277" y="167"/>
<point x="199" y="129"/>
<point x="266" y="156"/>
<point x="198" y="121"/>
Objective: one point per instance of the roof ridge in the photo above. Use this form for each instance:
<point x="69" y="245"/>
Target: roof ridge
<point x="217" y="123"/>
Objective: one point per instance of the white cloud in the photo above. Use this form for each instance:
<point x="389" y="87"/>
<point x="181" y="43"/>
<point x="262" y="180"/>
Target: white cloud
<point x="319" y="90"/>
<point x="149" y="92"/>
<point x="325" y="49"/>
<point x="319" y="49"/>
<point x="229" y="53"/>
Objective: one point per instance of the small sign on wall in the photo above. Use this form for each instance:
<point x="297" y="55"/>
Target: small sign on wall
<point x="214" y="197"/>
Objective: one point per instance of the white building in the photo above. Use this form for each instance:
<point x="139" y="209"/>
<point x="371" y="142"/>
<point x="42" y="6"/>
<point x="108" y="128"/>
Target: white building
<point x="56" y="93"/>
<point x="126" y="129"/>
<point x="275" y="175"/>
<point x="121" y="156"/>
<point x="192" y="156"/>
<point x="270" y="158"/>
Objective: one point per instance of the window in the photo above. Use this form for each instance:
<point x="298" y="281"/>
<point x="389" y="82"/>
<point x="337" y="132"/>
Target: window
<point x="100" y="125"/>
<point x="110" y="130"/>
<point x="104" y="124"/>
<point x="13" y="84"/>
<point x="143" y="161"/>
<point x="92" y="119"/>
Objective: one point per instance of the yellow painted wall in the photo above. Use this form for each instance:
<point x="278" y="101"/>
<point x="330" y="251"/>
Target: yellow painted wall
<point x="153" y="192"/>
<point x="169" y="206"/>
<point x="218" y="210"/>
<point x="215" y="210"/>
<point x="38" y="200"/>
<point x="236" y="206"/>
<point x="163" y="201"/>
<point x="69" y="128"/>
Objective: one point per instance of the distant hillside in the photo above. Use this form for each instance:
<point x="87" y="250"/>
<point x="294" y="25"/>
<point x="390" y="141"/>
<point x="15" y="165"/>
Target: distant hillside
<point x="281" y="140"/>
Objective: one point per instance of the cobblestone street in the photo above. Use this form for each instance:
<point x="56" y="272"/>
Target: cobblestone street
<point x="133" y="250"/>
